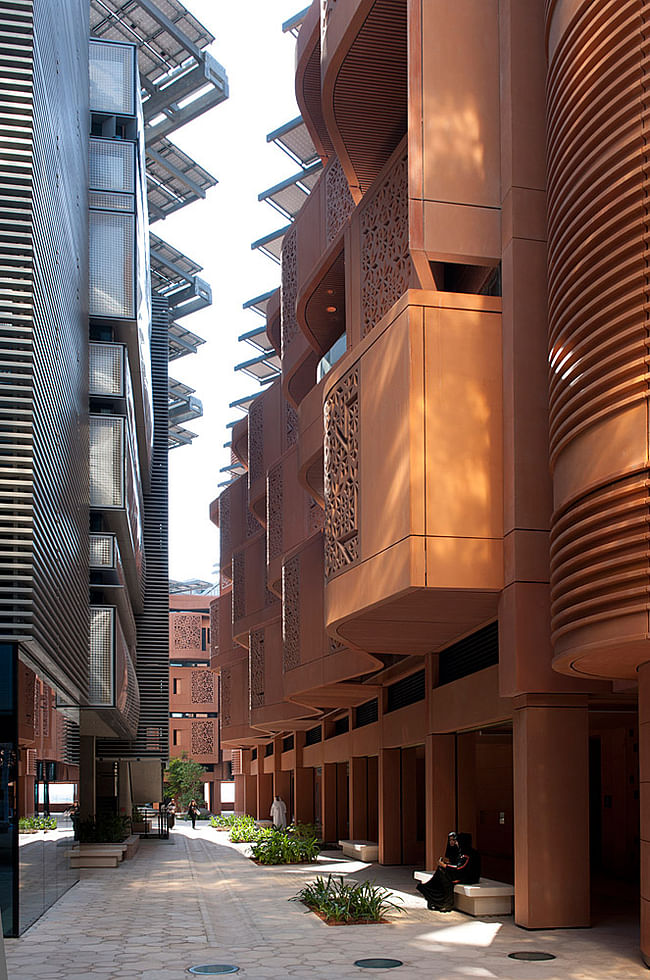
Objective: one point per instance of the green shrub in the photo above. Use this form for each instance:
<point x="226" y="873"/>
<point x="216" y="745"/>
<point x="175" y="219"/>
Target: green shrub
<point x="222" y="821"/>
<point x="278" y="847"/>
<point x="244" y="831"/>
<point x="106" y="829"/>
<point x="341" y="901"/>
<point x="36" y="823"/>
<point x="306" y="831"/>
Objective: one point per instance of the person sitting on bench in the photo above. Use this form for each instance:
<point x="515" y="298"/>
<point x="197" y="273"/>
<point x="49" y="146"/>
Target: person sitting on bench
<point x="461" y="863"/>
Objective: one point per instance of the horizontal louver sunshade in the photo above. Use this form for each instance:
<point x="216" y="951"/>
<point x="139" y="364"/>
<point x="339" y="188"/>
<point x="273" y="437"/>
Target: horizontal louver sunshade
<point x="102" y="647"/>
<point x="366" y="713"/>
<point x="106" y="461"/>
<point x="102" y="551"/>
<point x="474" y="653"/>
<point x="406" y="691"/>
<point x="112" y="78"/>
<point x="313" y="736"/>
<point x="287" y="743"/>
<point x="112" y="264"/>
<point x="106" y="370"/>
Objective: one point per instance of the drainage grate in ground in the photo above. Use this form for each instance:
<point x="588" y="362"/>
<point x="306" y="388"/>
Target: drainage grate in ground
<point x="530" y="955"/>
<point x="378" y="964"/>
<point x="211" y="969"/>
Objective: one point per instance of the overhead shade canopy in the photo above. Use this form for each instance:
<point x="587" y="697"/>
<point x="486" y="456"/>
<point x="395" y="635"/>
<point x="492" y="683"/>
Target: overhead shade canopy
<point x="293" y="24"/>
<point x="295" y="140"/>
<point x="264" y="367"/>
<point x="182" y="341"/>
<point x="169" y="267"/>
<point x="289" y="195"/>
<point x="271" y="245"/>
<point x="258" y="338"/>
<point x="259" y="303"/>
<point x="174" y="179"/>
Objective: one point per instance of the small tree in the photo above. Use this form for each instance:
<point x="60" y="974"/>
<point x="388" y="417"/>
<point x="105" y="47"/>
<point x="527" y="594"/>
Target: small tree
<point x="184" y="779"/>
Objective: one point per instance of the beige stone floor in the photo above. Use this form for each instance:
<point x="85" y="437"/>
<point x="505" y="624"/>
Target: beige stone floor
<point x="198" y="900"/>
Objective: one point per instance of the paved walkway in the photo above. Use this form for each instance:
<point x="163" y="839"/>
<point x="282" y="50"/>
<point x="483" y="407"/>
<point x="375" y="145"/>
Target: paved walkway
<point x="198" y="900"/>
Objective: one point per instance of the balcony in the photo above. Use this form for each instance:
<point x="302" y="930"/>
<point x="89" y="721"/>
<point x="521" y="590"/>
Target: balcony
<point x="413" y="476"/>
<point x="318" y="671"/>
<point x="115" y="490"/>
<point x="236" y="523"/>
<point x="291" y="516"/>
<point x="113" y="696"/>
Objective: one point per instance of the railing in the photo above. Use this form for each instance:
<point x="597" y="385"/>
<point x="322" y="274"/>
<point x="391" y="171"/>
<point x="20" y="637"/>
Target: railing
<point x="334" y="354"/>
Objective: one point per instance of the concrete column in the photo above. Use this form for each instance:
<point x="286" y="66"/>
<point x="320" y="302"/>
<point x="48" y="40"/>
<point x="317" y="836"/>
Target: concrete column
<point x="411" y="852"/>
<point x="440" y="769"/>
<point x="358" y="787"/>
<point x="644" y="794"/>
<point x="390" y="838"/>
<point x="282" y="787"/>
<point x="342" y="816"/>
<point x="125" y="801"/>
<point x="328" y="801"/>
<point x="86" y="776"/>
<point x="249" y="794"/>
<point x="264" y="795"/>
<point x="303" y="788"/>
<point x="551" y="811"/>
<point x="466" y="785"/>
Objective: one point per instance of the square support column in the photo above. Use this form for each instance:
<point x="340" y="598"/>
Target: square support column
<point x="87" y="777"/>
<point x="551" y="810"/>
<point x="282" y="787"/>
<point x="440" y="769"/>
<point x="390" y="836"/>
<point x="264" y="795"/>
<point x="328" y="801"/>
<point x="249" y="794"/>
<point x="303" y="789"/>
<point x="358" y="798"/>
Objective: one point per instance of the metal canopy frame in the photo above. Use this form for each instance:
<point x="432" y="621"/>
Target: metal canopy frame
<point x="271" y="245"/>
<point x="174" y="179"/>
<point x="182" y="341"/>
<point x="259" y="303"/>
<point x="295" y="140"/>
<point x="180" y="80"/>
<point x="289" y="195"/>
<point x="293" y="24"/>
<point x="265" y="367"/>
<point x="258" y="339"/>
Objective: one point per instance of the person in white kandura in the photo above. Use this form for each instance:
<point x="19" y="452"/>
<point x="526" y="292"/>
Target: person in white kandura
<point x="279" y="813"/>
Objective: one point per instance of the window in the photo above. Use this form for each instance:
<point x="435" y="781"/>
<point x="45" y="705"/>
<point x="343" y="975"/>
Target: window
<point x="176" y="686"/>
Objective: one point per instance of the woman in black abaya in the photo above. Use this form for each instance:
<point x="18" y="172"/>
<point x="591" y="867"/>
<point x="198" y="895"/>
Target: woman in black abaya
<point x="461" y="863"/>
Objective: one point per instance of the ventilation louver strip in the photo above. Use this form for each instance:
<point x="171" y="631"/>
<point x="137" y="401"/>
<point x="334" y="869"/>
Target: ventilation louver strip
<point x="474" y="653"/>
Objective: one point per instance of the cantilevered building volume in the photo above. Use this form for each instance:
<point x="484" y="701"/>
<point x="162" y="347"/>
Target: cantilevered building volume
<point x="91" y="93"/>
<point x="438" y="546"/>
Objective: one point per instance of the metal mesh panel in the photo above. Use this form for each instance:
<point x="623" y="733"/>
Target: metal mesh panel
<point x="106" y="461"/>
<point x="112" y="165"/>
<point x="100" y="685"/>
<point x="106" y="369"/>
<point x="112" y="264"/>
<point x="102" y="551"/>
<point x="105" y="201"/>
<point x="112" y="78"/>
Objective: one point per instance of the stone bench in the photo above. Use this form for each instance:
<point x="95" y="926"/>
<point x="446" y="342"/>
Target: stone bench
<point x="97" y="855"/>
<point x="486" y="897"/>
<point x="363" y="850"/>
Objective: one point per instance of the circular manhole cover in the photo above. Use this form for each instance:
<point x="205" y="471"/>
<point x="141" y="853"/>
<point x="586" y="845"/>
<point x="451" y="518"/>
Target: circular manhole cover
<point x="211" y="969"/>
<point x="530" y="955"/>
<point x="378" y="964"/>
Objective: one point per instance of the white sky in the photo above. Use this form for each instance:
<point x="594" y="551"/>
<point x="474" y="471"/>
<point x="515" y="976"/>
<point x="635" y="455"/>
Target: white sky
<point x="230" y="142"/>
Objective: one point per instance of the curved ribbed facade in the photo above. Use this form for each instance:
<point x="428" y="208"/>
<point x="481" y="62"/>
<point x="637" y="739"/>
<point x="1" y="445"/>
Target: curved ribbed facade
<point x="598" y="334"/>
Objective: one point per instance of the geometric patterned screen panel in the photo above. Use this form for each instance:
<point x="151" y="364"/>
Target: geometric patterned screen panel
<point x="106" y="461"/>
<point x="112" y="264"/>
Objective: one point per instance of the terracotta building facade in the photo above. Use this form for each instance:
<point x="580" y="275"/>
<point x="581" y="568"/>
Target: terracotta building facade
<point x="194" y="690"/>
<point x="437" y="614"/>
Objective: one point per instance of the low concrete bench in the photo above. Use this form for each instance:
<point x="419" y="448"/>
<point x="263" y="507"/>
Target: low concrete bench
<point x="486" y="897"/>
<point x="363" y="850"/>
<point x="96" y="855"/>
<point x="132" y="845"/>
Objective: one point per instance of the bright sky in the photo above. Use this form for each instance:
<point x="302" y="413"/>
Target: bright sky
<point x="230" y="142"/>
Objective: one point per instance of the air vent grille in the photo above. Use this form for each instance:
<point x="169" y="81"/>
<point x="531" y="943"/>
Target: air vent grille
<point x="366" y="713"/>
<point x="474" y="653"/>
<point x="406" y="691"/>
<point x="313" y="736"/>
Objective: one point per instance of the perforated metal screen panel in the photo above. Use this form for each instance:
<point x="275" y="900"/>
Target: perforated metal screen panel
<point x="106" y="369"/>
<point x="102" y="646"/>
<point x="112" y="78"/>
<point x="112" y="165"/>
<point x="106" y="201"/>
<point x="102" y="551"/>
<point x="112" y="264"/>
<point x="106" y="461"/>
